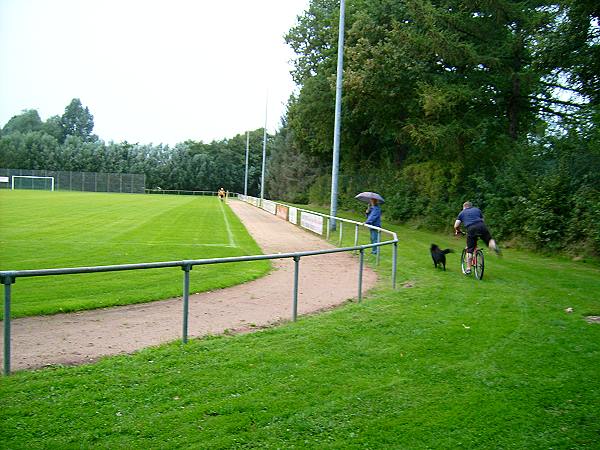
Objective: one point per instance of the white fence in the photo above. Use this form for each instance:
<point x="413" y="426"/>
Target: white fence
<point x="317" y="222"/>
<point x="312" y="222"/>
<point x="269" y="206"/>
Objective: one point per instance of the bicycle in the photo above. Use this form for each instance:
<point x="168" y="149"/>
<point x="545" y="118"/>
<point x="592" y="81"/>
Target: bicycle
<point x="477" y="261"/>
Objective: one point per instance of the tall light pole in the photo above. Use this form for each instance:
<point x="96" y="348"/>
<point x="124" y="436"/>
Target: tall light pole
<point x="338" y="116"/>
<point x="264" y="155"/>
<point x="247" y="152"/>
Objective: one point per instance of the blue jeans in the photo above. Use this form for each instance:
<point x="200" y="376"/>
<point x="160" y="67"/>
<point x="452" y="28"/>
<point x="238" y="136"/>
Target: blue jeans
<point x="374" y="240"/>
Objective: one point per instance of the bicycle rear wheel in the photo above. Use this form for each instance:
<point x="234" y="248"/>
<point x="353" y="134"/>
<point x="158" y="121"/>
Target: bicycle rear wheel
<point x="463" y="261"/>
<point x="479" y="265"/>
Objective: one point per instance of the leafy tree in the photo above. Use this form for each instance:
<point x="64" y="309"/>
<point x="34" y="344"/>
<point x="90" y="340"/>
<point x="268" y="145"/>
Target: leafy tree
<point x="53" y="127"/>
<point x="30" y="150"/>
<point x="28" y="120"/>
<point x="570" y="50"/>
<point x="452" y="99"/>
<point x="291" y="172"/>
<point x="78" y="121"/>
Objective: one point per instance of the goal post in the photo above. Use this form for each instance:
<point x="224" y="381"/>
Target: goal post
<point x="32" y="182"/>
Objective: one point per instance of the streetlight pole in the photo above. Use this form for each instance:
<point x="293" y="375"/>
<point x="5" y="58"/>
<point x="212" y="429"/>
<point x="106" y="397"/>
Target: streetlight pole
<point x="338" y="119"/>
<point x="264" y="155"/>
<point x="247" y="152"/>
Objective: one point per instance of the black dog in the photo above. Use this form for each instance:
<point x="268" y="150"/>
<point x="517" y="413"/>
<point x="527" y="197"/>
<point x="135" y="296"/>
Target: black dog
<point x="439" y="256"/>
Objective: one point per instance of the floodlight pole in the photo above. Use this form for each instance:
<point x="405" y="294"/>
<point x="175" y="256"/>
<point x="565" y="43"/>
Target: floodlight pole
<point x="338" y="119"/>
<point x="247" y="152"/>
<point x="264" y="155"/>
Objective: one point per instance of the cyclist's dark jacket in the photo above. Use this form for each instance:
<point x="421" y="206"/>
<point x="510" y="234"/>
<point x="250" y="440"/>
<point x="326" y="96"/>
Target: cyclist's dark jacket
<point x="470" y="216"/>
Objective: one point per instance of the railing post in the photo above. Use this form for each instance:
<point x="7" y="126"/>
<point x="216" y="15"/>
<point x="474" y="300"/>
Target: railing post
<point x="356" y="235"/>
<point x="378" y="256"/>
<point x="186" y="300"/>
<point x="394" y="264"/>
<point x="360" y="273"/>
<point x="341" y="232"/>
<point x="7" y="281"/>
<point x="295" y="303"/>
<point x="328" y="228"/>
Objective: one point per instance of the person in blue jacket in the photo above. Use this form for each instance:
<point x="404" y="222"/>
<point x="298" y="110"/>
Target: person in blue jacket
<point x="374" y="218"/>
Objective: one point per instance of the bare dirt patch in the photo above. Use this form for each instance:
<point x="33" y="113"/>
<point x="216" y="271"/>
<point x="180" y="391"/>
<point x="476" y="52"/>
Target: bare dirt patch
<point x="325" y="282"/>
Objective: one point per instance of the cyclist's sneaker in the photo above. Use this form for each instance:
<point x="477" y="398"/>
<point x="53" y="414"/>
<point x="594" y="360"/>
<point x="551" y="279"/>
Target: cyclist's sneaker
<point x="468" y="272"/>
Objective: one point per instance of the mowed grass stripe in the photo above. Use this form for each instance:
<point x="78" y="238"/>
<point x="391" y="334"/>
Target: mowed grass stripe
<point x="227" y="226"/>
<point x="64" y="229"/>
<point x="449" y="363"/>
<point x="152" y="220"/>
<point x="55" y="214"/>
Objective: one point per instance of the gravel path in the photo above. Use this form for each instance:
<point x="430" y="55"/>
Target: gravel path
<point x="77" y="338"/>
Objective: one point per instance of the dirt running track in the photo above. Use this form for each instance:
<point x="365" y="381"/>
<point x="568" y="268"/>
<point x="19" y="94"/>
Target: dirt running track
<point x="77" y="338"/>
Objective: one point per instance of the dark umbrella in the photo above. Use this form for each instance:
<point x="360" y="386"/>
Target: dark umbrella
<point x="366" y="196"/>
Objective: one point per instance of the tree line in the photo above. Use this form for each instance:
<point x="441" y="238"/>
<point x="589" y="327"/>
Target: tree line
<point x="497" y="102"/>
<point x="67" y="143"/>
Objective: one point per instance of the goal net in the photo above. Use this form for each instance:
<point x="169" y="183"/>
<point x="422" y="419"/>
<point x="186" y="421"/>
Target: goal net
<point x="32" y="182"/>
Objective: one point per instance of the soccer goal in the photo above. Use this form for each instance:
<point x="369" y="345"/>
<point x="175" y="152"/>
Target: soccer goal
<point x="32" y="182"/>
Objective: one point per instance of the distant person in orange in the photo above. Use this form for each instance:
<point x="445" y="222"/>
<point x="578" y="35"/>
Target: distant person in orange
<point x="221" y="194"/>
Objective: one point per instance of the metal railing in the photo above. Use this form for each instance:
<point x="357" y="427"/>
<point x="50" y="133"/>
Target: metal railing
<point x="9" y="277"/>
<point x="257" y="202"/>
<point x="184" y="192"/>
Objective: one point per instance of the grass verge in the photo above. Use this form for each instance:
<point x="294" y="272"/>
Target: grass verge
<point x="41" y="230"/>
<point x="450" y="362"/>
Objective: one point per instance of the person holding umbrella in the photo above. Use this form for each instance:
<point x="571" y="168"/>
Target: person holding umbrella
<point x="373" y="213"/>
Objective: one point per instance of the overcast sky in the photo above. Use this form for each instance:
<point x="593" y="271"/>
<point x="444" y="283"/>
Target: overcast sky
<point x="150" y="71"/>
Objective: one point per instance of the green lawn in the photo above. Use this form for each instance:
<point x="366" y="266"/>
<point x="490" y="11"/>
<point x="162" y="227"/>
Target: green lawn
<point x="449" y="363"/>
<point x="40" y="230"/>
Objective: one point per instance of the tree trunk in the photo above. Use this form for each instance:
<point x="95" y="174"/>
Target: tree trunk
<point x="513" y="107"/>
<point x="514" y="102"/>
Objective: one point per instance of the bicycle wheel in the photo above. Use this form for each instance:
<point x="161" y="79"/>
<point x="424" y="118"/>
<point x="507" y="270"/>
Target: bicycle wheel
<point x="479" y="265"/>
<point x="463" y="261"/>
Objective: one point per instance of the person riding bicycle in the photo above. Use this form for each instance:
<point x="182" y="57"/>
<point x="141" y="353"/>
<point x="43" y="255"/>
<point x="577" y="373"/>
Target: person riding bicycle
<point x="472" y="218"/>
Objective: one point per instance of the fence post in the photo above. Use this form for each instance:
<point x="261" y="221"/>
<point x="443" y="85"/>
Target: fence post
<point x="328" y="228"/>
<point x="360" y="273"/>
<point x="186" y="300"/>
<point x="341" y="232"/>
<point x="295" y="304"/>
<point x="7" y="281"/>
<point x="394" y="264"/>
<point x="378" y="256"/>
<point x="356" y="235"/>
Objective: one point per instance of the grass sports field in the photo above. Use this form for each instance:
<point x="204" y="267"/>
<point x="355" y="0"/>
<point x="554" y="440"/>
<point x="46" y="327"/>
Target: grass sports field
<point x="448" y="363"/>
<point x="40" y="230"/>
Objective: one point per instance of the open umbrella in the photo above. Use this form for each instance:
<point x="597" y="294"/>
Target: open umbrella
<point x="366" y="196"/>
